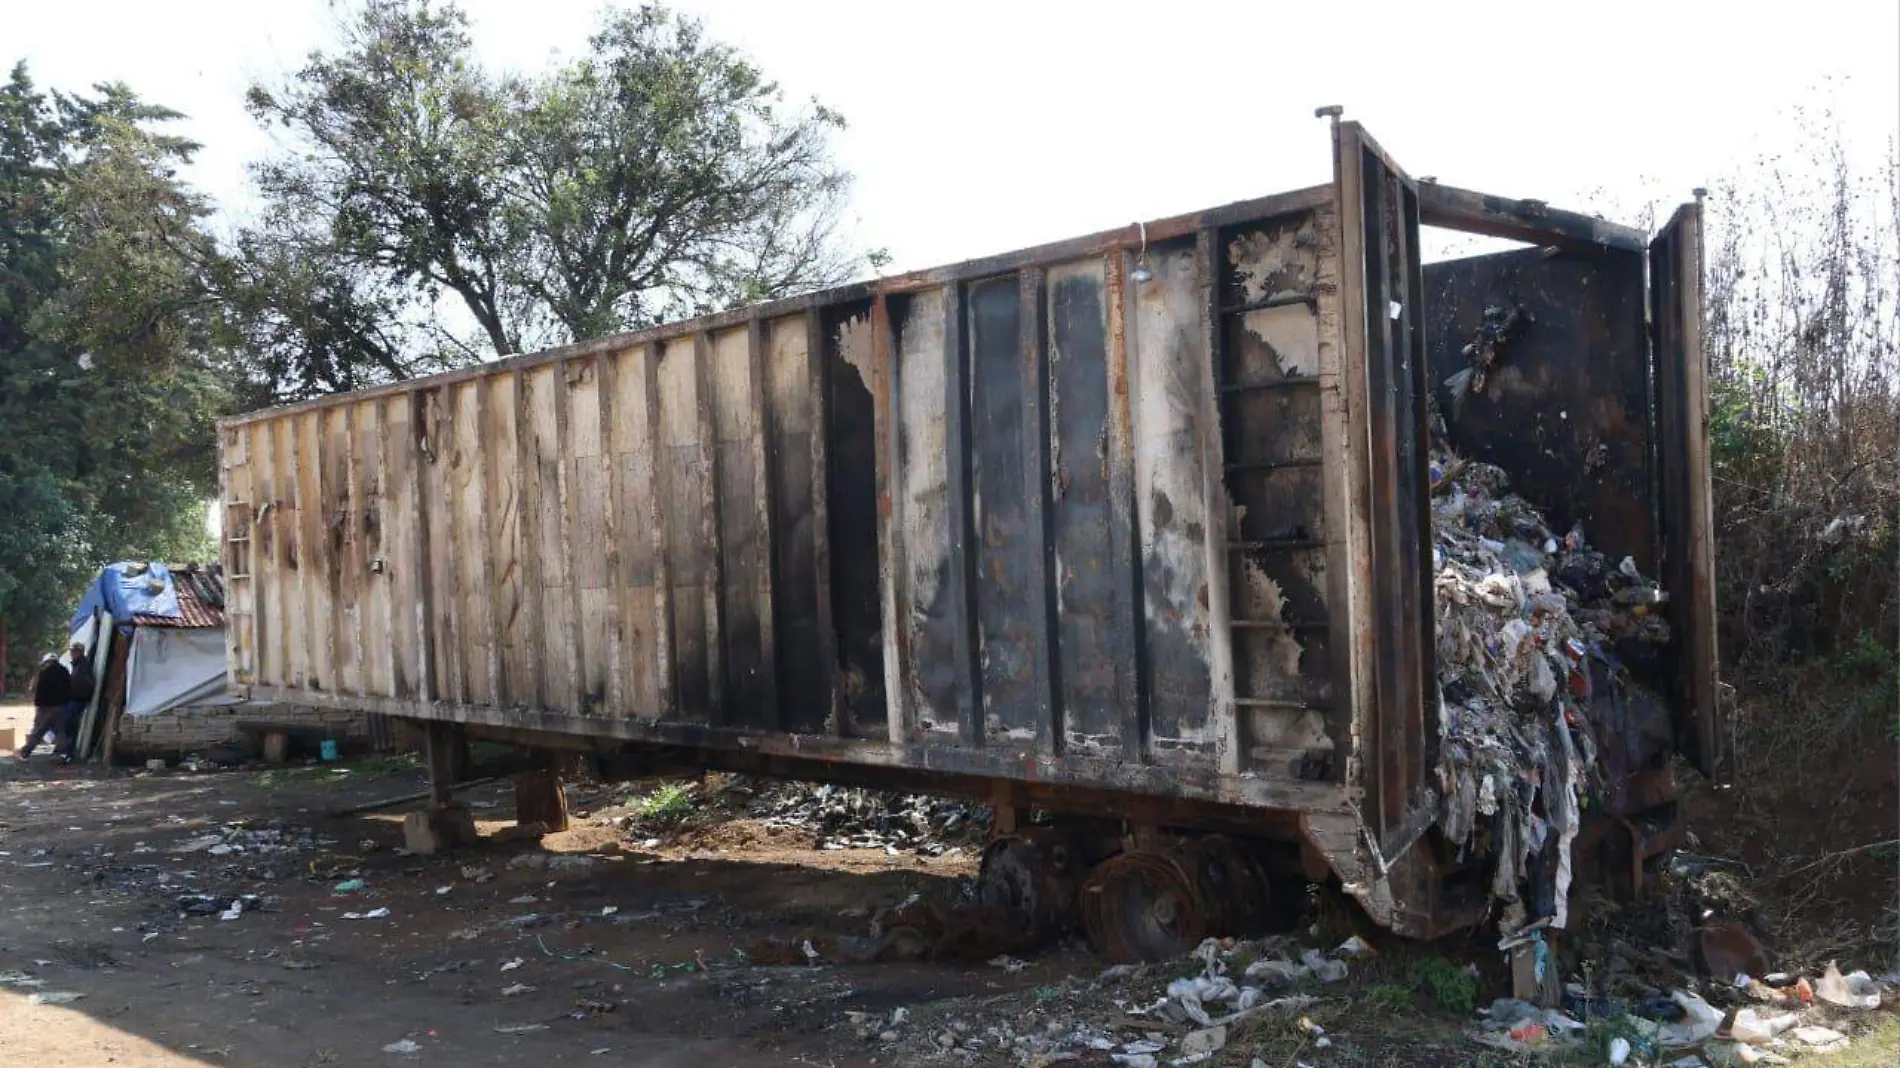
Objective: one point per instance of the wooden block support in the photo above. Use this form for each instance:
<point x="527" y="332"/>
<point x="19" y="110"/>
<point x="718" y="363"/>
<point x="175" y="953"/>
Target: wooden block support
<point x="438" y="829"/>
<point x="276" y="747"/>
<point x="540" y="801"/>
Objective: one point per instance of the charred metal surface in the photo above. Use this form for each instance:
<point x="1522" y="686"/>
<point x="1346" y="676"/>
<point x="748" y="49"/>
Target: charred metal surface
<point x="1565" y="411"/>
<point x="851" y="521"/>
<point x="1009" y="539"/>
<point x="1171" y="501"/>
<point x="1522" y="220"/>
<point x="1090" y="540"/>
<point x="1157" y="904"/>
<point x="1682" y="450"/>
<point x="1386" y="216"/>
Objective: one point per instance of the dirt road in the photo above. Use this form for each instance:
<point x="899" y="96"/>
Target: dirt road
<point x="580" y="951"/>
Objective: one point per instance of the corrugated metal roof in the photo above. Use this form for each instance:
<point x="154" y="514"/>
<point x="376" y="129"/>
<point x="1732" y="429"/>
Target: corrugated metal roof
<point x="200" y="598"/>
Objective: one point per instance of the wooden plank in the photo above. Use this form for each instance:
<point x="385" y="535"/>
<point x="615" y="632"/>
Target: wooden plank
<point x="268" y="625"/>
<point x="612" y="637"/>
<point x="1128" y="585"/>
<point x="637" y="533"/>
<point x="290" y="541"/>
<point x="354" y="571"/>
<point x="686" y="509"/>
<point x="514" y="648"/>
<point x="373" y="534"/>
<point x="666" y="646"/>
<point x="334" y="491"/>
<point x="564" y="605"/>
<point x="396" y="534"/>
<point x="418" y="561"/>
<point x="818" y="372"/>
<point x="712" y="586"/>
<point x="587" y="547"/>
<point x="764" y="448"/>
<point x="900" y="707"/>
<point x="447" y="628"/>
<point x="743" y="551"/>
<point x="480" y="600"/>
<point x="316" y="587"/>
<point x="1530" y="221"/>
<point x="967" y="699"/>
<point x="528" y="489"/>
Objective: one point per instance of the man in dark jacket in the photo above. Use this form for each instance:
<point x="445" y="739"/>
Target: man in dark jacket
<point x="51" y="691"/>
<point x="81" y="673"/>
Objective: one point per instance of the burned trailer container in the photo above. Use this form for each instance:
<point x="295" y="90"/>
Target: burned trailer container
<point x="1134" y="525"/>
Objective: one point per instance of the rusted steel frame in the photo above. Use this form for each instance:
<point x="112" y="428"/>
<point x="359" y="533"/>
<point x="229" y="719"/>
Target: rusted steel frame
<point x="1419" y="580"/>
<point x="712" y="589"/>
<point x="1033" y="324"/>
<point x="1228" y="744"/>
<point x="1075" y="248"/>
<point x="1124" y="525"/>
<point x="962" y="517"/>
<point x="1354" y="611"/>
<point x="818" y="376"/>
<point x="658" y="475"/>
<point x="1521" y="220"/>
<point x="765" y="495"/>
<point x="528" y="490"/>
<point x="1161" y="785"/>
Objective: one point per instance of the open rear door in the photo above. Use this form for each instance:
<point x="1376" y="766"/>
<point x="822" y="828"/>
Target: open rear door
<point x="1687" y="518"/>
<point x="1383" y="309"/>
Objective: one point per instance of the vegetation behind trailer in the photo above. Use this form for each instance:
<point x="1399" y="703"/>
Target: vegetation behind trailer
<point x="1131" y="525"/>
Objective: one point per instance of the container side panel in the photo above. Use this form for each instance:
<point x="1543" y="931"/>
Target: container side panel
<point x="932" y="586"/>
<point x="591" y="533"/>
<point x="1009" y="602"/>
<point x="1170" y="362"/>
<point x="1094" y="640"/>
<point x="634" y="503"/>
<point x="373" y="556"/>
<point x="744" y="565"/>
<point x="403" y="536"/>
<point x="804" y="675"/>
<point x="853" y="522"/>
<point x="688" y="482"/>
<point x="1564" y="409"/>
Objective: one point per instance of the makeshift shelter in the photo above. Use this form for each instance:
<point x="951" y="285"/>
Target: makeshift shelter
<point x="161" y="668"/>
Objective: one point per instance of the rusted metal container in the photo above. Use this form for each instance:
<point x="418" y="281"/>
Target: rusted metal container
<point x="1133" y="524"/>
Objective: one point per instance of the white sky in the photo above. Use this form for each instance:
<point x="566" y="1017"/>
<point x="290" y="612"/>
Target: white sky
<point x="983" y="126"/>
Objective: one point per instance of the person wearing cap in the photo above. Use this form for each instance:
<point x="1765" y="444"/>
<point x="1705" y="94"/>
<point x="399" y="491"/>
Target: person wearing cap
<point x="52" y="689"/>
<point x="80" y="695"/>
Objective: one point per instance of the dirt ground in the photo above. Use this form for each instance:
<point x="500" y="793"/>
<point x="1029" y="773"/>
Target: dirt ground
<point x="640" y="959"/>
<point x="592" y="946"/>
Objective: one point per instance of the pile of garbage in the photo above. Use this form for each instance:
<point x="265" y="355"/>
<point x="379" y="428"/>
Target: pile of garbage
<point x="844" y="817"/>
<point x="1747" y="1020"/>
<point x="1529" y="620"/>
<point x="1137" y="1016"/>
<point x="251" y="837"/>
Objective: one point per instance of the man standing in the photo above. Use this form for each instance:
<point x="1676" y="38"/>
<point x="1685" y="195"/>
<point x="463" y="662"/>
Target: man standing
<point x="51" y="690"/>
<point x="81" y="696"/>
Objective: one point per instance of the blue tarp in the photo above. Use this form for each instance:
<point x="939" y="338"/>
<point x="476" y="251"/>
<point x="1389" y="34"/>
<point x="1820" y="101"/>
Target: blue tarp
<point x="129" y="589"/>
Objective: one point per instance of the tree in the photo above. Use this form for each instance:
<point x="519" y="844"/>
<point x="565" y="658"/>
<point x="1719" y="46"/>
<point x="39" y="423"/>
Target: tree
<point x="429" y="213"/>
<point x="108" y="328"/>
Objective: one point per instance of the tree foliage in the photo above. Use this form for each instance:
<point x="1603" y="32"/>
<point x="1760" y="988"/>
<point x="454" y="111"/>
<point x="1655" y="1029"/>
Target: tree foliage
<point x="107" y="325"/>
<point x="429" y="212"/>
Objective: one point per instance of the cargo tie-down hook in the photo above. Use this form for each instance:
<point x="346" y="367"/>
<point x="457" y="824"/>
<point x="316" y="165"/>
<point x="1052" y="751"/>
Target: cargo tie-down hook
<point x="1141" y="273"/>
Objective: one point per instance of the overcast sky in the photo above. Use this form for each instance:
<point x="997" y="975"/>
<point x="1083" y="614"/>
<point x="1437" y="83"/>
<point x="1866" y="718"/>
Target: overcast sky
<point x="982" y="126"/>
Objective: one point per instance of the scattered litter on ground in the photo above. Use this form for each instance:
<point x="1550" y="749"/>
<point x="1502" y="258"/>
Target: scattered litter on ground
<point x="403" y="1046"/>
<point x="53" y="997"/>
<point x="516" y="989"/>
<point x="520" y="1029"/>
<point x="348" y="886"/>
<point x="844" y="817"/>
<point x="372" y="914"/>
